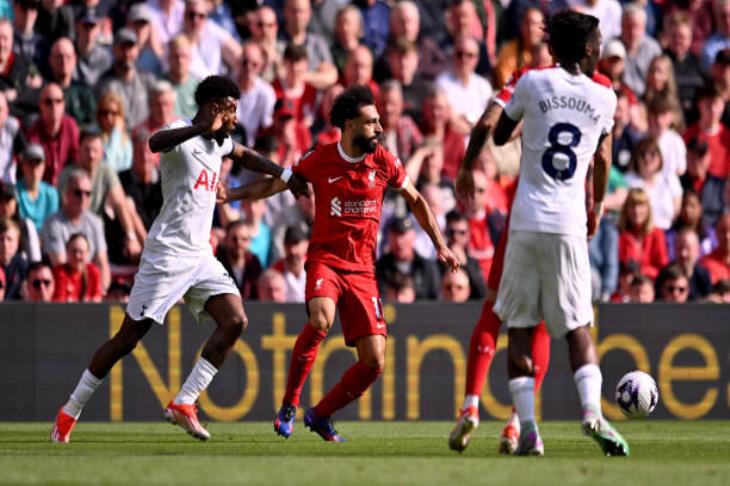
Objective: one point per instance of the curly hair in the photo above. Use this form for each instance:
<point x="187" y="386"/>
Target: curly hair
<point x="569" y="32"/>
<point x="347" y="105"/>
<point x="216" y="87"/>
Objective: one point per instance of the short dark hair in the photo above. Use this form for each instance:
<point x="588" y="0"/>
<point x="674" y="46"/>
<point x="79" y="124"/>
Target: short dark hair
<point x="569" y="32"/>
<point x="708" y="91"/>
<point x="347" y="105"/>
<point x="455" y="216"/>
<point x="38" y="265"/>
<point x="89" y="132"/>
<point x="216" y="87"/>
<point x="295" y="53"/>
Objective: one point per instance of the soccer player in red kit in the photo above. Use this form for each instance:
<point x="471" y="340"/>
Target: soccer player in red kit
<point x="349" y="179"/>
<point x="486" y="332"/>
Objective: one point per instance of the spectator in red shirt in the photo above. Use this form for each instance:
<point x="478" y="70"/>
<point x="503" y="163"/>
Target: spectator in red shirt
<point x="56" y="132"/>
<point x="294" y="94"/>
<point x="437" y="128"/>
<point x="638" y="239"/>
<point x="77" y="280"/>
<point x="718" y="262"/>
<point x="709" y="129"/>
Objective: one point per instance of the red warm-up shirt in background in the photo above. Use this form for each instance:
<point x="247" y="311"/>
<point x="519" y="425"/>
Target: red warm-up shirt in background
<point x="649" y="252"/>
<point x="68" y="286"/>
<point x="348" y="197"/>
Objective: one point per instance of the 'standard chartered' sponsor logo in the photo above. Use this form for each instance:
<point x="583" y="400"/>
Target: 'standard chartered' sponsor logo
<point x="361" y="207"/>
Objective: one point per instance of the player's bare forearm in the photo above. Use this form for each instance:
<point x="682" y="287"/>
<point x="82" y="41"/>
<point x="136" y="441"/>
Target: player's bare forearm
<point x="602" y="166"/>
<point x="260" y="189"/>
<point x="425" y="217"/>
<point x="254" y="161"/>
<point x="166" y="140"/>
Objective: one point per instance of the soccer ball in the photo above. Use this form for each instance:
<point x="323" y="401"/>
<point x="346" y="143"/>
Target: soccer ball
<point x="637" y="394"/>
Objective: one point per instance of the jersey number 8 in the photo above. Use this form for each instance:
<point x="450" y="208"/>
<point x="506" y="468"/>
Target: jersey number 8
<point x="564" y="149"/>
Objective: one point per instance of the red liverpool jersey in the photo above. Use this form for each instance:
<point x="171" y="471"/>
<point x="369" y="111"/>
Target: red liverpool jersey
<point x="348" y="197"/>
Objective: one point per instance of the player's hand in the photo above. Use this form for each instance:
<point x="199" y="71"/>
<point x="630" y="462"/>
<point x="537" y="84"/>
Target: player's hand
<point x="221" y="194"/>
<point x="447" y="257"/>
<point x="298" y="186"/>
<point x="132" y="248"/>
<point x="465" y="185"/>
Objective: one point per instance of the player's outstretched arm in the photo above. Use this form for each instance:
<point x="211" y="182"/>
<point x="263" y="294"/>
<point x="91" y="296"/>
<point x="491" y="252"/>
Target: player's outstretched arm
<point x="477" y="140"/>
<point x="256" y="162"/>
<point x="425" y="218"/>
<point x="259" y="189"/>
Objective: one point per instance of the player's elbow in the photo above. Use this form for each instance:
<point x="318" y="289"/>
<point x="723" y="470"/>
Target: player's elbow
<point x="155" y="143"/>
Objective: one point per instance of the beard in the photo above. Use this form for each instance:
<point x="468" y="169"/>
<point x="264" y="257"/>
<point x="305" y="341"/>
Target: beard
<point x="367" y="145"/>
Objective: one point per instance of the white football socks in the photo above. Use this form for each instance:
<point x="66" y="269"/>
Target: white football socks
<point x="470" y="401"/>
<point x="588" y="381"/>
<point x="522" y="390"/>
<point x="199" y="379"/>
<point x="81" y="394"/>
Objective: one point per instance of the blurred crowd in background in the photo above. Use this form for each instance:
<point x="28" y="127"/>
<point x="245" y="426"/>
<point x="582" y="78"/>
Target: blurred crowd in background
<point x="83" y="84"/>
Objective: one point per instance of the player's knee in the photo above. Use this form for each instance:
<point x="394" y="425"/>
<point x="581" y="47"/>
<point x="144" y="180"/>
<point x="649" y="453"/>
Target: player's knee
<point x="375" y="361"/>
<point x="319" y="321"/>
<point x="520" y="364"/>
<point x="237" y="323"/>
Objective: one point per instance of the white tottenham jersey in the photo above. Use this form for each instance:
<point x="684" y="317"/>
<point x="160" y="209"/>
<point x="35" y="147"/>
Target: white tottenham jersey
<point x="189" y="174"/>
<point x="564" y="118"/>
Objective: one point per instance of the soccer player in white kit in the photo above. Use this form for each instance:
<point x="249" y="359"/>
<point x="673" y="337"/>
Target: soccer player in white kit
<point x="567" y="122"/>
<point x="178" y="261"/>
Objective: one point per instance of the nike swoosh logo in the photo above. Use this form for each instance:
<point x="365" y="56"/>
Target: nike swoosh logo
<point x="198" y="156"/>
<point x="333" y="179"/>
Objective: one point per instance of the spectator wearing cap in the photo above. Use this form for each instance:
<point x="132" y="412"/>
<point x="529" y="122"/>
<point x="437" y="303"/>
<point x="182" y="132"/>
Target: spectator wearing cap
<point x="721" y="38"/>
<point x="710" y="130"/>
<point x="271" y="287"/>
<point x="39" y="283"/>
<point x="151" y="50"/>
<point x="141" y="182"/>
<point x="466" y="91"/>
<point x="697" y="179"/>
<point x="37" y="199"/>
<point x="161" y="109"/>
<point x="640" y="47"/>
<point x="256" y="106"/>
<point x="402" y="257"/>
<point x="296" y="244"/>
<point x="458" y="237"/>
<point x="214" y="50"/>
<point x="612" y="64"/>
<point x="721" y="80"/>
<point x="12" y="141"/>
<point x="517" y="53"/>
<point x="687" y="246"/>
<point x="12" y="261"/>
<point x="179" y="56"/>
<point x="93" y="59"/>
<point x="321" y="71"/>
<point x="235" y="255"/>
<point x="455" y="286"/>
<point x="718" y="262"/>
<point x="167" y="18"/>
<point x="80" y="101"/>
<point x="19" y="78"/>
<point x="401" y="134"/>
<point x="56" y="132"/>
<point x="106" y="190"/>
<point x="28" y="42"/>
<point x="75" y="217"/>
<point x="131" y="84"/>
<point x="687" y="70"/>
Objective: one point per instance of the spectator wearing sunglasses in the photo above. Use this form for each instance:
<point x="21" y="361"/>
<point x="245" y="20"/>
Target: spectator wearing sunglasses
<point x="75" y="217"/>
<point x="39" y="283"/>
<point x="672" y="285"/>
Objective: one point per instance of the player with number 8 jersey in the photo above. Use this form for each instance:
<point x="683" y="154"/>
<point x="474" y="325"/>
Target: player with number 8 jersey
<point x="349" y="179"/>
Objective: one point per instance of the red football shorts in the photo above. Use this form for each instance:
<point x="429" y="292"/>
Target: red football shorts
<point x="357" y="298"/>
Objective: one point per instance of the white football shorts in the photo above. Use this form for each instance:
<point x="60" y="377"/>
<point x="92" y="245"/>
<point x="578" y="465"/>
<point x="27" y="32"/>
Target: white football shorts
<point x="547" y="276"/>
<point x="162" y="280"/>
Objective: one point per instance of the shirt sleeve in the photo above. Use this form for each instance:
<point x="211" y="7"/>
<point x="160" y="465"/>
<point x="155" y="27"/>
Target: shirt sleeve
<point x="51" y="238"/>
<point x="607" y="124"/>
<point x="227" y="147"/>
<point x="307" y="165"/>
<point x="515" y="108"/>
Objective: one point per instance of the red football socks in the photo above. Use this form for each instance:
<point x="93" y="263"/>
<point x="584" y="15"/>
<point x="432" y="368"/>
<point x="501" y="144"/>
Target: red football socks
<point x="540" y="353"/>
<point x="354" y="382"/>
<point x="302" y="359"/>
<point x="481" y="349"/>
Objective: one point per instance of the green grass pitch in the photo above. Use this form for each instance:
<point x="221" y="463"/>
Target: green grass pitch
<point x="664" y="453"/>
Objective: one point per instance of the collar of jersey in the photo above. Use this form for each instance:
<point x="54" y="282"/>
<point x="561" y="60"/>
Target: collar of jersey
<point x="347" y="158"/>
